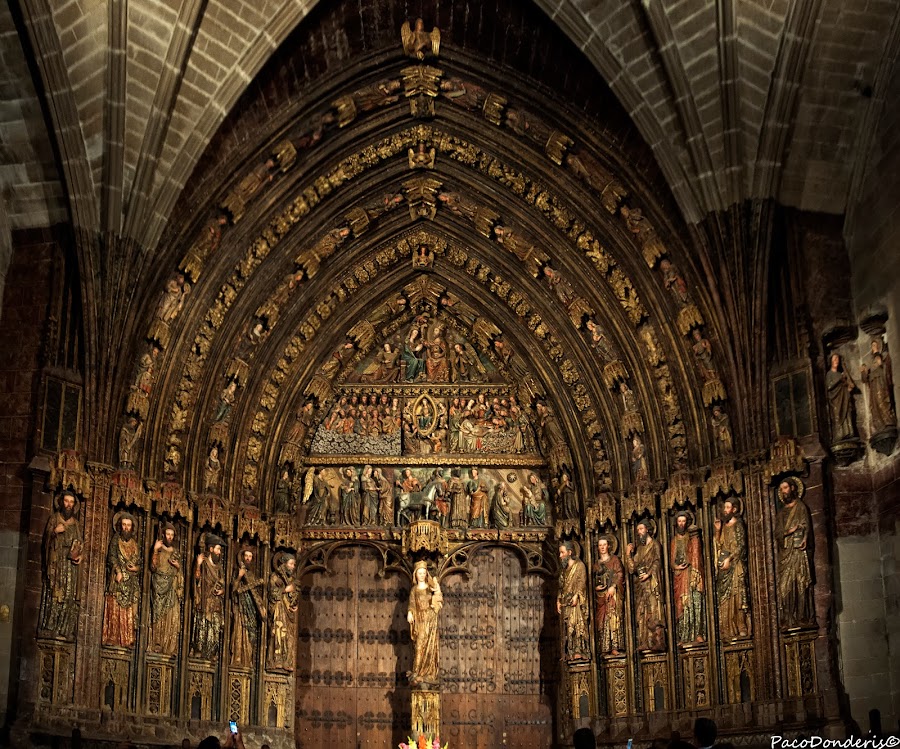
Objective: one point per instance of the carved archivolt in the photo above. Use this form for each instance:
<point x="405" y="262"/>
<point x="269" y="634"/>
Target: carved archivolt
<point x="563" y="218"/>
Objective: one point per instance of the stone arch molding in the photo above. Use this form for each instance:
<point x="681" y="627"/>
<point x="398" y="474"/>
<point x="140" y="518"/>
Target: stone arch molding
<point x="422" y="196"/>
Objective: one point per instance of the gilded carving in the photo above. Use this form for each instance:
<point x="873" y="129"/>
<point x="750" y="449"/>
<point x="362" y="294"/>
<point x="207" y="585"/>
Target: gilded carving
<point x="63" y="547"/>
<point x="123" y="583"/>
<point x="166" y="592"/>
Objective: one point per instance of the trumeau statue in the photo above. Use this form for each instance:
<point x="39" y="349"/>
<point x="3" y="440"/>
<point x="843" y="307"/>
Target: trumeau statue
<point x="425" y="602"/>
<point x="644" y="562"/>
<point x="123" y="584"/>
<point x="571" y="603"/>
<point x="247" y="608"/>
<point x="166" y="593"/>
<point x="283" y="602"/>
<point x="609" y="597"/>
<point x="63" y="554"/>
<point x="732" y="588"/>
<point x="209" y="599"/>
<point x="686" y="559"/>
<point x="793" y="526"/>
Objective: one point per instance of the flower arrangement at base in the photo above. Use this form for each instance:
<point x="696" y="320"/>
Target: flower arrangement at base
<point x="424" y="742"/>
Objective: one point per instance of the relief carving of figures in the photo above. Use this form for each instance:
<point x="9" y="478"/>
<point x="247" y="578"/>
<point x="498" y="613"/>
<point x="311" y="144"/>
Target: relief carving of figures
<point x="609" y="597"/>
<point x="839" y="388"/>
<point x="123" y="583"/>
<point x="721" y="424"/>
<point x="571" y="603"/>
<point x="63" y="551"/>
<point x="601" y="343"/>
<point x="166" y="593"/>
<point x="674" y="282"/>
<point x="315" y="488"/>
<point x="369" y="496"/>
<point x="793" y="525"/>
<point x="128" y="437"/>
<point x="500" y="507"/>
<point x="878" y="378"/>
<point x="686" y="558"/>
<point x="477" y="491"/>
<point x="419" y="43"/>
<point x="284" y="600"/>
<point x="464" y="94"/>
<point x="535" y="499"/>
<point x="226" y="402"/>
<point x="644" y="562"/>
<point x="638" y="460"/>
<point x="283" y="503"/>
<point x="139" y="392"/>
<point x="209" y="599"/>
<point x="349" y="493"/>
<point x="385" y="497"/>
<point x="246" y="611"/>
<point x="172" y="302"/>
<point x="732" y="584"/>
<point x="644" y="232"/>
<point x="566" y="498"/>
<point x="212" y="469"/>
<point x="458" y="499"/>
<point x="553" y="442"/>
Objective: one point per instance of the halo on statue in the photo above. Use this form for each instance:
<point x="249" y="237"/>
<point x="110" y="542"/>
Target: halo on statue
<point x="239" y="552"/>
<point x="685" y="514"/>
<point x="611" y="540"/>
<point x="799" y="486"/>
<point x="124" y="515"/>
<point x="511" y="478"/>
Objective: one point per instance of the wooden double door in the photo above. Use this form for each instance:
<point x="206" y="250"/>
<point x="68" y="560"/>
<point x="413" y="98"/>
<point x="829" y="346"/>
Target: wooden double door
<point x="499" y="655"/>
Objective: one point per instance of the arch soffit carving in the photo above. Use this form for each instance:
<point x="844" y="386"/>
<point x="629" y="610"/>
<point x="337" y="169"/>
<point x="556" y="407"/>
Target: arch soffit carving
<point x="544" y="163"/>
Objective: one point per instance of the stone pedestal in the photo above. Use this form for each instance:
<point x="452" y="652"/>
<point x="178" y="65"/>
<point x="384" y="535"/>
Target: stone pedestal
<point x="199" y="694"/>
<point x="614" y="676"/>
<point x="115" y="679"/>
<point x="426" y="713"/>
<point x="56" y="675"/>
<point x="800" y="662"/>
<point x="655" y="687"/>
<point x="239" y="680"/>
<point x="693" y="662"/>
<point x="158" y="671"/>
<point x="739" y="678"/>
<point x="278" y="705"/>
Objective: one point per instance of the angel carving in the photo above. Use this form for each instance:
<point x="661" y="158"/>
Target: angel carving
<point x="418" y="43"/>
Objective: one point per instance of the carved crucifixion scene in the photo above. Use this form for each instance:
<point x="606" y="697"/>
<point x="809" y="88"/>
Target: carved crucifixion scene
<point x="471" y="377"/>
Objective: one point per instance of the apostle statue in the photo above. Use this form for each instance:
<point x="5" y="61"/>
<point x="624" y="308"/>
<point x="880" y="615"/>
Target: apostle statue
<point x="477" y="492"/>
<point x="63" y="552"/>
<point x="123" y="584"/>
<point x="246" y="611"/>
<point x="644" y="561"/>
<point x="166" y="593"/>
<point x="686" y="559"/>
<point x="571" y="603"/>
<point x="609" y="597"/>
<point x="840" y="389"/>
<point x="425" y="602"/>
<point x="732" y="589"/>
<point x="209" y="599"/>
<point x="284" y="600"/>
<point x="793" y="526"/>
